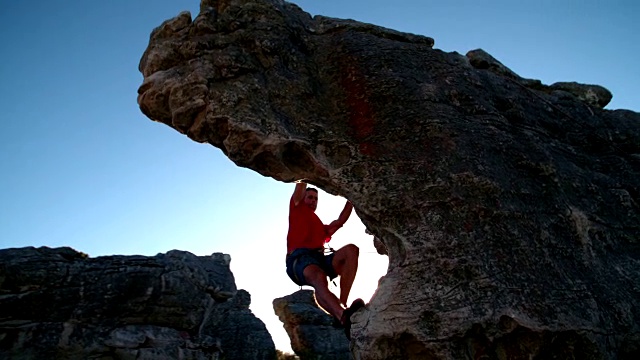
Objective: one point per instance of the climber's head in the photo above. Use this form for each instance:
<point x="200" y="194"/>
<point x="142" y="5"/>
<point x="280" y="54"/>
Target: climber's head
<point x="311" y="198"/>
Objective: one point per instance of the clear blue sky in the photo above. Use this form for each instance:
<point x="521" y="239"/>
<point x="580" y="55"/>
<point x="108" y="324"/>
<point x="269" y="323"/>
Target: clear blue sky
<point x="82" y="167"/>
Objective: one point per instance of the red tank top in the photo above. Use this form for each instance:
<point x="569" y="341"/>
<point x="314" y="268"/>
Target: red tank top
<point x="305" y="228"/>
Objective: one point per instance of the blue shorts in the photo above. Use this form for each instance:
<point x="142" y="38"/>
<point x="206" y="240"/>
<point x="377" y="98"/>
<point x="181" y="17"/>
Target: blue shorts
<point x="301" y="258"/>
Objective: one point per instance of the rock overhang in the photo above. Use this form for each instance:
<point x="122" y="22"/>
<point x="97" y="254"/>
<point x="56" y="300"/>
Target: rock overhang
<point x="476" y="180"/>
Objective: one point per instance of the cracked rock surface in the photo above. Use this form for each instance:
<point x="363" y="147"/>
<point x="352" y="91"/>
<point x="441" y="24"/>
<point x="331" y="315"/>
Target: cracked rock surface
<point x="509" y="209"/>
<point x="311" y="330"/>
<point x="60" y="304"/>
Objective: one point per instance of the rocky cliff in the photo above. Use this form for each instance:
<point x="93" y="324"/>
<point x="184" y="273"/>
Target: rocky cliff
<point x="60" y="304"/>
<point x="509" y="208"/>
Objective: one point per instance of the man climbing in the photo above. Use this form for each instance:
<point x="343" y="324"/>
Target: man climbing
<point x="306" y="262"/>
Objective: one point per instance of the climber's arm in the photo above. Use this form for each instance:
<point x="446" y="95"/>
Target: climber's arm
<point x="344" y="216"/>
<point x="298" y="193"/>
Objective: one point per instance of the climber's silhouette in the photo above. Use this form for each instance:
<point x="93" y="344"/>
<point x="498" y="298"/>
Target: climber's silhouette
<point x="307" y="263"/>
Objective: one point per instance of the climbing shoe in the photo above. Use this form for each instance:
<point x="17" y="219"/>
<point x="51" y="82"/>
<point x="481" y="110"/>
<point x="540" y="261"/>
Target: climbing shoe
<point x="346" y="316"/>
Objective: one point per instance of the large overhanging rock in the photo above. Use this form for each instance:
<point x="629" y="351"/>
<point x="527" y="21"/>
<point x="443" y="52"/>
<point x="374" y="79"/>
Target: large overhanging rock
<point x="60" y="304"/>
<point x="509" y="209"/>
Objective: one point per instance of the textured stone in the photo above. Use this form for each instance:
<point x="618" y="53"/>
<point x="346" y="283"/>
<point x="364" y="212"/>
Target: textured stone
<point x="310" y="329"/>
<point x="509" y="210"/>
<point x="594" y="95"/>
<point x="480" y="59"/>
<point x="60" y="304"/>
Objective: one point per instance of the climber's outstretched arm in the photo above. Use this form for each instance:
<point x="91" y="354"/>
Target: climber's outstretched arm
<point x="344" y="216"/>
<point x="298" y="193"/>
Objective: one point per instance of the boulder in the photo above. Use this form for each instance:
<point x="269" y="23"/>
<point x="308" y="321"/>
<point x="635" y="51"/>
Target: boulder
<point x="61" y="304"/>
<point x="510" y="212"/>
<point x="594" y="95"/>
<point x="311" y="330"/>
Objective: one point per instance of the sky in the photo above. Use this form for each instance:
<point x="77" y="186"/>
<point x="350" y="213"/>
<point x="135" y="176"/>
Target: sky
<point x="81" y="166"/>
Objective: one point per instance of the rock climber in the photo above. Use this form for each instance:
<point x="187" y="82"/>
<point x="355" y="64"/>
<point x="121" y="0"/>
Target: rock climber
<point x="307" y="263"/>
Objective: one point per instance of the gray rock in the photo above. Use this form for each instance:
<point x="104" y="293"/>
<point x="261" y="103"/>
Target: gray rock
<point x="379" y="246"/>
<point x="59" y="303"/>
<point x="510" y="214"/>
<point x="310" y="329"/>
<point x="594" y="95"/>
<point x="480" y="59"/>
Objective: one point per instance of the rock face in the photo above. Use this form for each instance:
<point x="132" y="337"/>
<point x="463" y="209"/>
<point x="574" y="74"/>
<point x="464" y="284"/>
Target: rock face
<point x="60" y="304"/>
<point x="311" y="331"/>
<point x="509" y="209"/>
